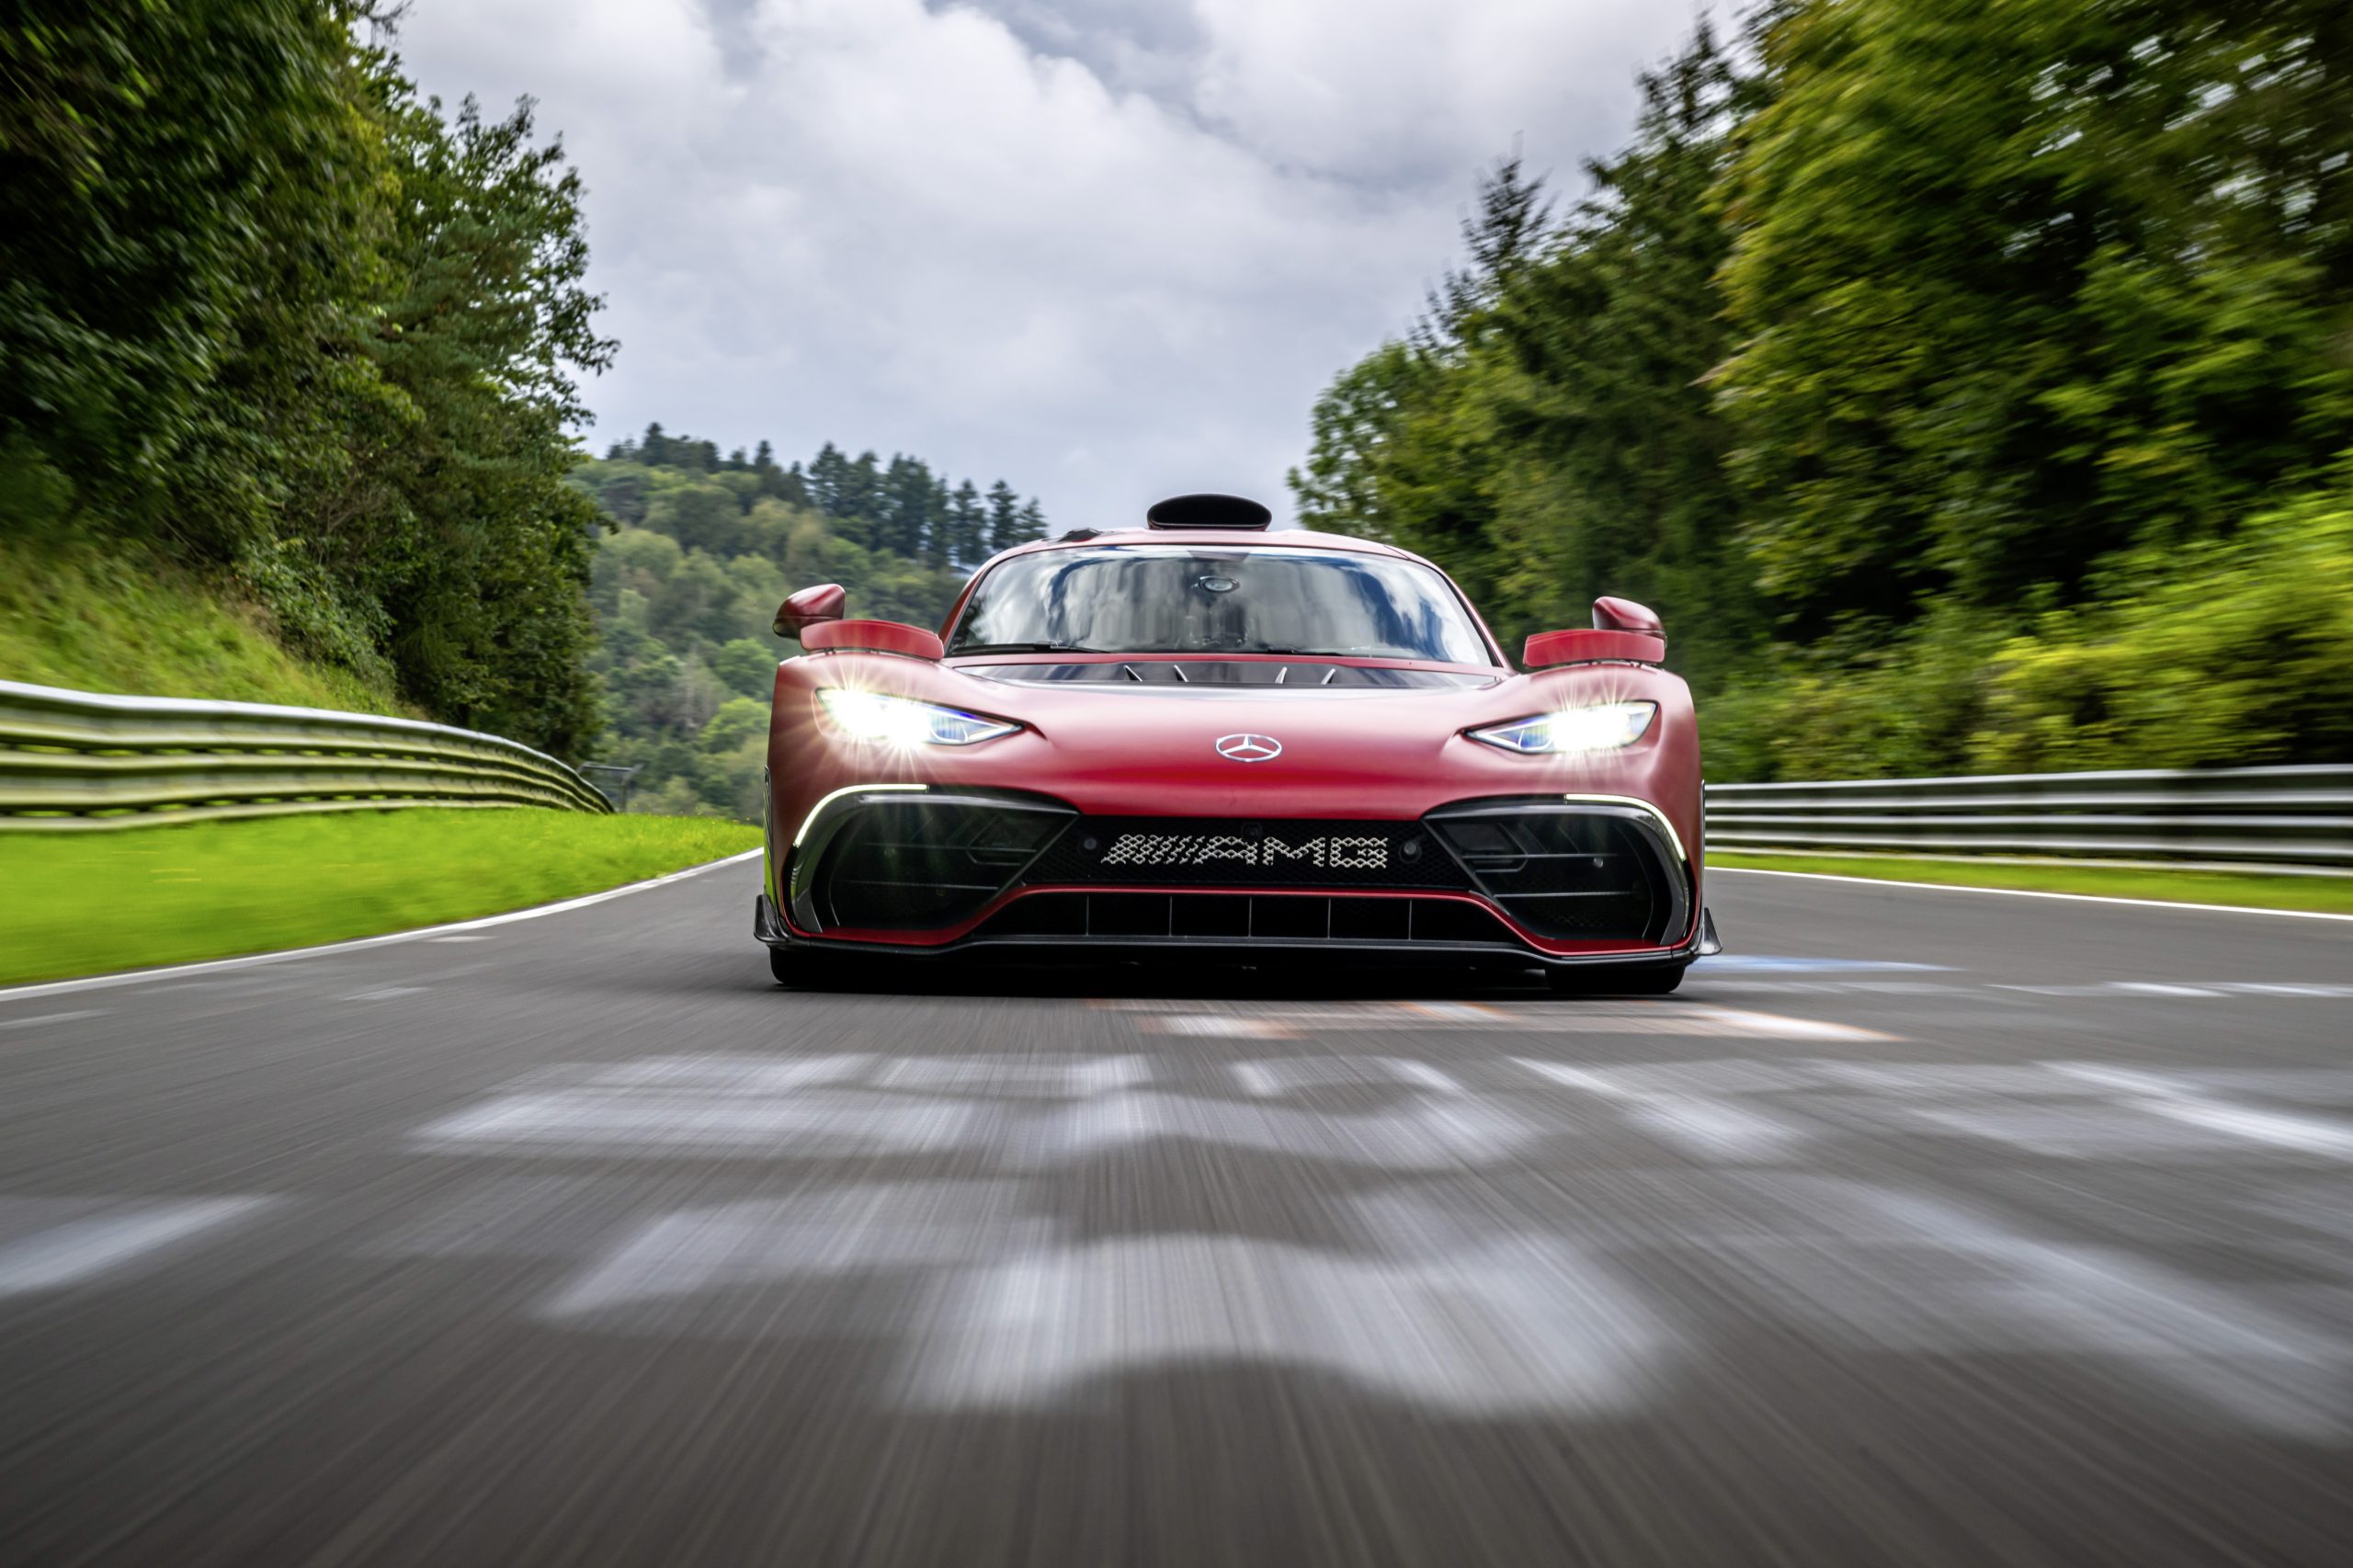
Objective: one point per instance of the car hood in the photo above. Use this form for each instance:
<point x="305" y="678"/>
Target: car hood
<point x="1153" y="748"/>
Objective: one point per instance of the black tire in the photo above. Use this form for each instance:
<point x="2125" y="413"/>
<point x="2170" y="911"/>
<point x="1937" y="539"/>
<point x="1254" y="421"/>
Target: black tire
<point x="795" y="966"/>
<point x="1615" y="980"/>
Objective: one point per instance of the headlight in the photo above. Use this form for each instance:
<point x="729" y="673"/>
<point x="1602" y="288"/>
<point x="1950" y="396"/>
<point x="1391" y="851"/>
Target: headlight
<point x="904" y="722"/>
<point x="1603" y="727"/>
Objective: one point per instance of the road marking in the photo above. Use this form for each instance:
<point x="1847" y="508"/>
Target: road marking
<point x="88" y="1239"/>
<point x="1681" y="1017"/>
<point x="1219" y="1025"/>
<point x="1425" y="1135"/>
<point x="51" y="1018"/>
<point x="1709" y="1127"/>
<point x="2178" y="1102"/>
<point x="1534" y="1327"/>
<point x="1278" y="1077"/>
<point x="2027" y="893"/>
<point x="742" y="1073"/>
<point x="1738" y="1020"/>
<point x="361" y="944"/>
<point x="1072" y="1078"/>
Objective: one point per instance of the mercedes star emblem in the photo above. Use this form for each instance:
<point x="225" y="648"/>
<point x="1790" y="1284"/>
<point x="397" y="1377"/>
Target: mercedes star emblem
<point x="1249" y="749"/>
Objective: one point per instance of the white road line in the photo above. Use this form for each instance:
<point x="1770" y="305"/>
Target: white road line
<point x="1424" y="1075"/>
<point x="2179" y="1102"/>
<point x="421" y="933"/>
<point x="1739" y="1020"/>
<point x="51" y="1018"/>
<point x="2027" y="892"/>
<point x="93" y="1244"/>
<point x="1218" y="1025"/>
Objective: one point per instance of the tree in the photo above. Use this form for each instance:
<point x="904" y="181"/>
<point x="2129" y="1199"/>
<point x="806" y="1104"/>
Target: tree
<point x="968" y="526"/>
<point x="904" y="503"/>
<point x="457" y="521"/>
<point x="827" y="476"/>
<point x="1029" y="522"/>
<point x="2023" y="283"/>
<point x="1004" y="518"/>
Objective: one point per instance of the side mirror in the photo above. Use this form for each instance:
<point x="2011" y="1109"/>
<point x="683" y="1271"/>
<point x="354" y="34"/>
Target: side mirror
<point x="809" y="607"/>
<point x="1623" y="634"/>
<point x="1625" y="614"/>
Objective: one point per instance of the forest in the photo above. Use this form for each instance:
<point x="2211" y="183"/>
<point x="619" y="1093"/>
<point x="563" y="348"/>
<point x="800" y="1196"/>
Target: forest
<point x="273" y="322"/>
<point x="1970" y="385"/>
<point x="697" y="549"/>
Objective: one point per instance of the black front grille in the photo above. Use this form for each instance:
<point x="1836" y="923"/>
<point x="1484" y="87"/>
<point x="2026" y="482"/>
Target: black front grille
<point x="1230" y="852"/>
<point x="1586" y="872"/>
<point x="914" y="861"/>
<point x="1255" y="918"/>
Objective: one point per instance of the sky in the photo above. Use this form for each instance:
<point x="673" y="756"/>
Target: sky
<point x="1108" y="250"/>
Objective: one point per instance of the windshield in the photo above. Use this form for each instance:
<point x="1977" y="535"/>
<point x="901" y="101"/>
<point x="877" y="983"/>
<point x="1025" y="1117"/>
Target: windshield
<point x="1180" y="599"/>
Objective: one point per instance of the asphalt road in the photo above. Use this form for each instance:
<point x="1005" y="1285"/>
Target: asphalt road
<point x="1921" y="1228"/>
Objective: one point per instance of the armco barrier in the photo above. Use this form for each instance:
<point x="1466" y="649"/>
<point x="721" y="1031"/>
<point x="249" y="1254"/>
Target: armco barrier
<point x="76" y="760"/>
<point x="2282" y="815"/>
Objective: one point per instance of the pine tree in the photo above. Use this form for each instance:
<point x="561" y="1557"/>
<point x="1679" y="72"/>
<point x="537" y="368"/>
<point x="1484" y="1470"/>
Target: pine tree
<point x="654" y="449"/>
<point x="827" y="473"/>
<point x="1004" y="518"/>
<point x="1031" y="523"/>
<point x="968" y="526"/>
<point x="939" y="527"/>
<point x="861" y="488"/>
<point x="905" y="506"/>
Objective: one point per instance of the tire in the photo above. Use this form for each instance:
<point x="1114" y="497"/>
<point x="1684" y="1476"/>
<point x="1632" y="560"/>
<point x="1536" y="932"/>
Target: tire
<point x="1615" y="980"/>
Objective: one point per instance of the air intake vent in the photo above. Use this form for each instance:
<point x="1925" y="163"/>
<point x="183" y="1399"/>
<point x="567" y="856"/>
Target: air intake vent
<point x="1590" y="872"/>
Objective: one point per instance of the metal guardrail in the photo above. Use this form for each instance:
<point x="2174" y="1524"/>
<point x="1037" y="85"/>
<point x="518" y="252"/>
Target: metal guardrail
<point x="2300" y="815"/>
<point x="77" y="760"/>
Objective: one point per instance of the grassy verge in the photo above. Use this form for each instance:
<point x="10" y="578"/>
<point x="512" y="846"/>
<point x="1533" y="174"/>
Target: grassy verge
<point x="2332" y="896"/>
<point x="83" y="904"/>
<point x="119" y="619"/>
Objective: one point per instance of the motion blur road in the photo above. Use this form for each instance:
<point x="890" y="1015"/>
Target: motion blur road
<point x="1920" y="1228"/>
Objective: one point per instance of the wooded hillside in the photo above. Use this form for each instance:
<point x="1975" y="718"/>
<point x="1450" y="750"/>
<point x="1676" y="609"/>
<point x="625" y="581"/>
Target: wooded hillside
<point x="1969" y="384"/>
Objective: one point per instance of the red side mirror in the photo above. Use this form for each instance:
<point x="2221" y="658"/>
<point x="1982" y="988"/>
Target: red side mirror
<point x="1625" y="614"/>
<point x="809" y="608"/>
<point x="874" y="637"/>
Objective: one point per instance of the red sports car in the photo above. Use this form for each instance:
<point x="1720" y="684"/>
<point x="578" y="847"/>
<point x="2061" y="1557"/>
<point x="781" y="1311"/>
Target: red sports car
<point x="1204" y="738"/>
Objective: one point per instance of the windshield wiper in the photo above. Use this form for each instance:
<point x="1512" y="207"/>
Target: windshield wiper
<point x="961" y="651"/>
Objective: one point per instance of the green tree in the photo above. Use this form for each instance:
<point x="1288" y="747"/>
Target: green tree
<point x="1005" y="517"/>
<point x="2023" y="283"/>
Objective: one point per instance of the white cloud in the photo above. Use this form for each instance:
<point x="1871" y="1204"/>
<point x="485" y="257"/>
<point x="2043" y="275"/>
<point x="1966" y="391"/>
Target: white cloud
<point x="1106" y="251"/>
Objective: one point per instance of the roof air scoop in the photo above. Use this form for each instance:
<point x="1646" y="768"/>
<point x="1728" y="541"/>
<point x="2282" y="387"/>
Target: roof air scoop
<point x="1208" y="511"/>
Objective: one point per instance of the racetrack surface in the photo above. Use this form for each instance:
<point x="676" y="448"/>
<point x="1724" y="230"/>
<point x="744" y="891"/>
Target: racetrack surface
<point x="1921" y="1227"/>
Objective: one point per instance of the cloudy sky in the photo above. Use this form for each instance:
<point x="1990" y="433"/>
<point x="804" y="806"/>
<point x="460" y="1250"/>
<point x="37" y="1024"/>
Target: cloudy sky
<point x="1107" y="249"/>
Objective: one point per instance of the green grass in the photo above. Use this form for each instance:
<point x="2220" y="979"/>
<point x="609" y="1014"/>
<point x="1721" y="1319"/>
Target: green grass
<point x="86" y="903"/>
<point x="2332" y="896"/>
<point x="119" y="619"/>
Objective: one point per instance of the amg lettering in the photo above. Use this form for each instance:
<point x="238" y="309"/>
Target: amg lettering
<point x="1352" y="854"/>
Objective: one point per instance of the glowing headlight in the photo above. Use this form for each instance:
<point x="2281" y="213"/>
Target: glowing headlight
<point x="1604" y="727"/>
<point x="903" y="722"/>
